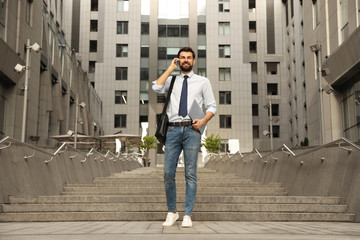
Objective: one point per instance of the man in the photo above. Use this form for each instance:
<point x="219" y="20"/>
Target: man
<point x="182" y="133"/>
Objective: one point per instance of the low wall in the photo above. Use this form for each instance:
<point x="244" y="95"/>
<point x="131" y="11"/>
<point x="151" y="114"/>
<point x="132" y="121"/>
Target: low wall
<point x="338" y="174"/>
<point x="34" y="177"/>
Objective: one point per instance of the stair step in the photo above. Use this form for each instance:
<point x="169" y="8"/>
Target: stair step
<point x="160" y="216"/>
<point x="139" y="195"/>
<point x="180" y="199"/>
<point x="150" y="190"/>
<point x="178" y="183"/>
<point x="156" y="207"/>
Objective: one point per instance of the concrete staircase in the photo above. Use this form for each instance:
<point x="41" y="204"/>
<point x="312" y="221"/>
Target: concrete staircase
<point x="139" y="195"/>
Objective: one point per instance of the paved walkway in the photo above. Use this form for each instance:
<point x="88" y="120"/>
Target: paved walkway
<point x="200" y="231"/>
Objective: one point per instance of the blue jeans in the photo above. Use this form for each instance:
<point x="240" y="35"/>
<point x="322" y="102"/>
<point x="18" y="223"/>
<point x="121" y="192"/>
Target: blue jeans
<point x="177" y="139"/>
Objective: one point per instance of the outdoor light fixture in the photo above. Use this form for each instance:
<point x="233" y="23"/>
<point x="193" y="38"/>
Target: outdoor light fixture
<point x="19" y="68"/>
<point x="82" y="105"/>
<point x="266" y="132"/>
<point x="315" y="47"/>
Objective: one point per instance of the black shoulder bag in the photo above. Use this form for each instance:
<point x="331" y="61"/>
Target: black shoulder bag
<point x="163" y="121"/>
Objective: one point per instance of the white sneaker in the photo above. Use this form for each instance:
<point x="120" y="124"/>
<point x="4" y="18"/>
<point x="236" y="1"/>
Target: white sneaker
<point x="171" y="219"/>
<point x="186" y="223"/>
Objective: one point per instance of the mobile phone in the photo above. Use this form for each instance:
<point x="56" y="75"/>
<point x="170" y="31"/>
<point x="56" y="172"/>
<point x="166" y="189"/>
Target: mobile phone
<point x="177" y="62"/>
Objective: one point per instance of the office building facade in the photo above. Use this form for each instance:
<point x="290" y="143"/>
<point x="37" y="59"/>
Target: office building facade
<point x="55" y="77"/>
<point x="125" y="45"/>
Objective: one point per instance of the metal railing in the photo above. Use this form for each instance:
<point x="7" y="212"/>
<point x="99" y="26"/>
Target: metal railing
<point x="8" y="142"/>
<point x="285" y="149"/>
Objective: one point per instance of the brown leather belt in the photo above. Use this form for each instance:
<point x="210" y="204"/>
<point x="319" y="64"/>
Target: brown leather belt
<point x="180" y="124"/>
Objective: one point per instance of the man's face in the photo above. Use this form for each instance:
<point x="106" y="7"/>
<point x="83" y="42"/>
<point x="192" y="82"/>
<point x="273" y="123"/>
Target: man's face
<point x="186" y="61"/>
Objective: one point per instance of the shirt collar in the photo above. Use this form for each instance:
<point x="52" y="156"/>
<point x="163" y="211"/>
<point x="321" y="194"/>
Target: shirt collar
<point x="190" y="74"/>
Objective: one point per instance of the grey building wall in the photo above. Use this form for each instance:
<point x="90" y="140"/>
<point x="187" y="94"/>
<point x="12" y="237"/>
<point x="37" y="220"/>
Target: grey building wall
<point x="55" y="75"/>
<point x="337" y="32"/>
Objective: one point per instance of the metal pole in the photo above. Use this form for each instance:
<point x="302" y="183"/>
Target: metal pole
<point x="76" y="118"/>
<point x="271" y="126"/>
<point x="23" y="130"/>
<point x="322" y="136"/>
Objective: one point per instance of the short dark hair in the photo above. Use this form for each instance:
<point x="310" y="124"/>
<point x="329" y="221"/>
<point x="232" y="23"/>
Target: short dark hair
<point x="186" y="49"/>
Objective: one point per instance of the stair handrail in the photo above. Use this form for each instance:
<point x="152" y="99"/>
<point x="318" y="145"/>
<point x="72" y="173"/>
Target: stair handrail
<point x="289" y="152"/>
<point x="15" y="141"/>
<point x="249" y="154"/>
<point x="257" y="152"/>
<point x="330" y="144"/>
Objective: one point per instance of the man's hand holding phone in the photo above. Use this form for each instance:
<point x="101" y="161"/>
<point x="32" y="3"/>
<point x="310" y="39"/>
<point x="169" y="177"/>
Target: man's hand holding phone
<point x="175" y="63"/>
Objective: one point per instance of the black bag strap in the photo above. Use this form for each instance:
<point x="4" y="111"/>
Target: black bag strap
<point x="169" y="93"/>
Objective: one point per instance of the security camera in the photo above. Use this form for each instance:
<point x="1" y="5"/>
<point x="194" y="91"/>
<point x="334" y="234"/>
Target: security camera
<point x="266" y="132"/>
<point x="36" y="47"/>
<point x="82" y="104"/>
<point x="19" y="68"/>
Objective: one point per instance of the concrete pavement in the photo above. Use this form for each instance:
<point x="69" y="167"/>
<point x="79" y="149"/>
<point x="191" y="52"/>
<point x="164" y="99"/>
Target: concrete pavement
<point x="201" y="231"/>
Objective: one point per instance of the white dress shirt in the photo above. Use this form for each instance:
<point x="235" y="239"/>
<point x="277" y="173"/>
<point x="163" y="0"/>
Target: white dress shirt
<point x="199" y="89"/>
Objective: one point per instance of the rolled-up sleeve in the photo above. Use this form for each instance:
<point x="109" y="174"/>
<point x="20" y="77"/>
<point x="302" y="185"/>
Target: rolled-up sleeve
<point x="209" y="99"/>
<point x="160" y="88"/>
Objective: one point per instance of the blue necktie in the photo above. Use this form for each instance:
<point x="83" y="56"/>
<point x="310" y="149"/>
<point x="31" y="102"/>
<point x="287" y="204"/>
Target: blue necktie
<point x="183" y="99"/>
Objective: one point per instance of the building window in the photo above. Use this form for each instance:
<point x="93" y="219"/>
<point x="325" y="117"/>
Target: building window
<point x="2" y="18"/>
<point x="120" y="97"/>
<point x="224" y="74"/>
<point x="144" y="51"/>
<point x="224" y="51"/>
<point x="201" y="28"/>
<point x="201" y="51"/>
<point x="121" y="73"/>
<point x="254" y="88"/>
<point x="224" y="28"/>
<point x="255" y="131"/>
<point x="252" y="4"/>
<point x="29" y="11"/>
<point x="276" y="131"/>
<point x="122" y="27"/>
<point x="94" y="5"/>
<point x="121" y="50"/>
<point x="272" y="68"/>
<point x="201" y="72"/>
<point x="93" y="46"/>
<point x="252" y="26"/>
<point x="144" y="74"/>
<point x="255" y="110"/>
<point x="92" y="66"/>
<point x="143" y="118"/>
<point x="167" y="53"/>
<point x="184" y="30"/>
<point x="144" y="97"/>
<point x="93" y="25"/>
<point x="225" y="97"/>
<point x="119" y="121"/>
<point x="145" y="28"/>
<point x="173" y="31"/>
<point x="224" y="146"/>
<point x="123" y="5"/>
<point x="253" y="67"/>
<point x="272" y="89"/>
<point x="344" y="18"/>
<point x="162" y="31"/>
<point x="274" y="109"/>
<point x="225" y="121"/>
<point x="224" y="5"/>
<point x="316" y="12"/>
<point x="252" y="47"/>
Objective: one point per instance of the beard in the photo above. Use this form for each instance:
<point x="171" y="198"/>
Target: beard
<point x="186" y="69"/>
